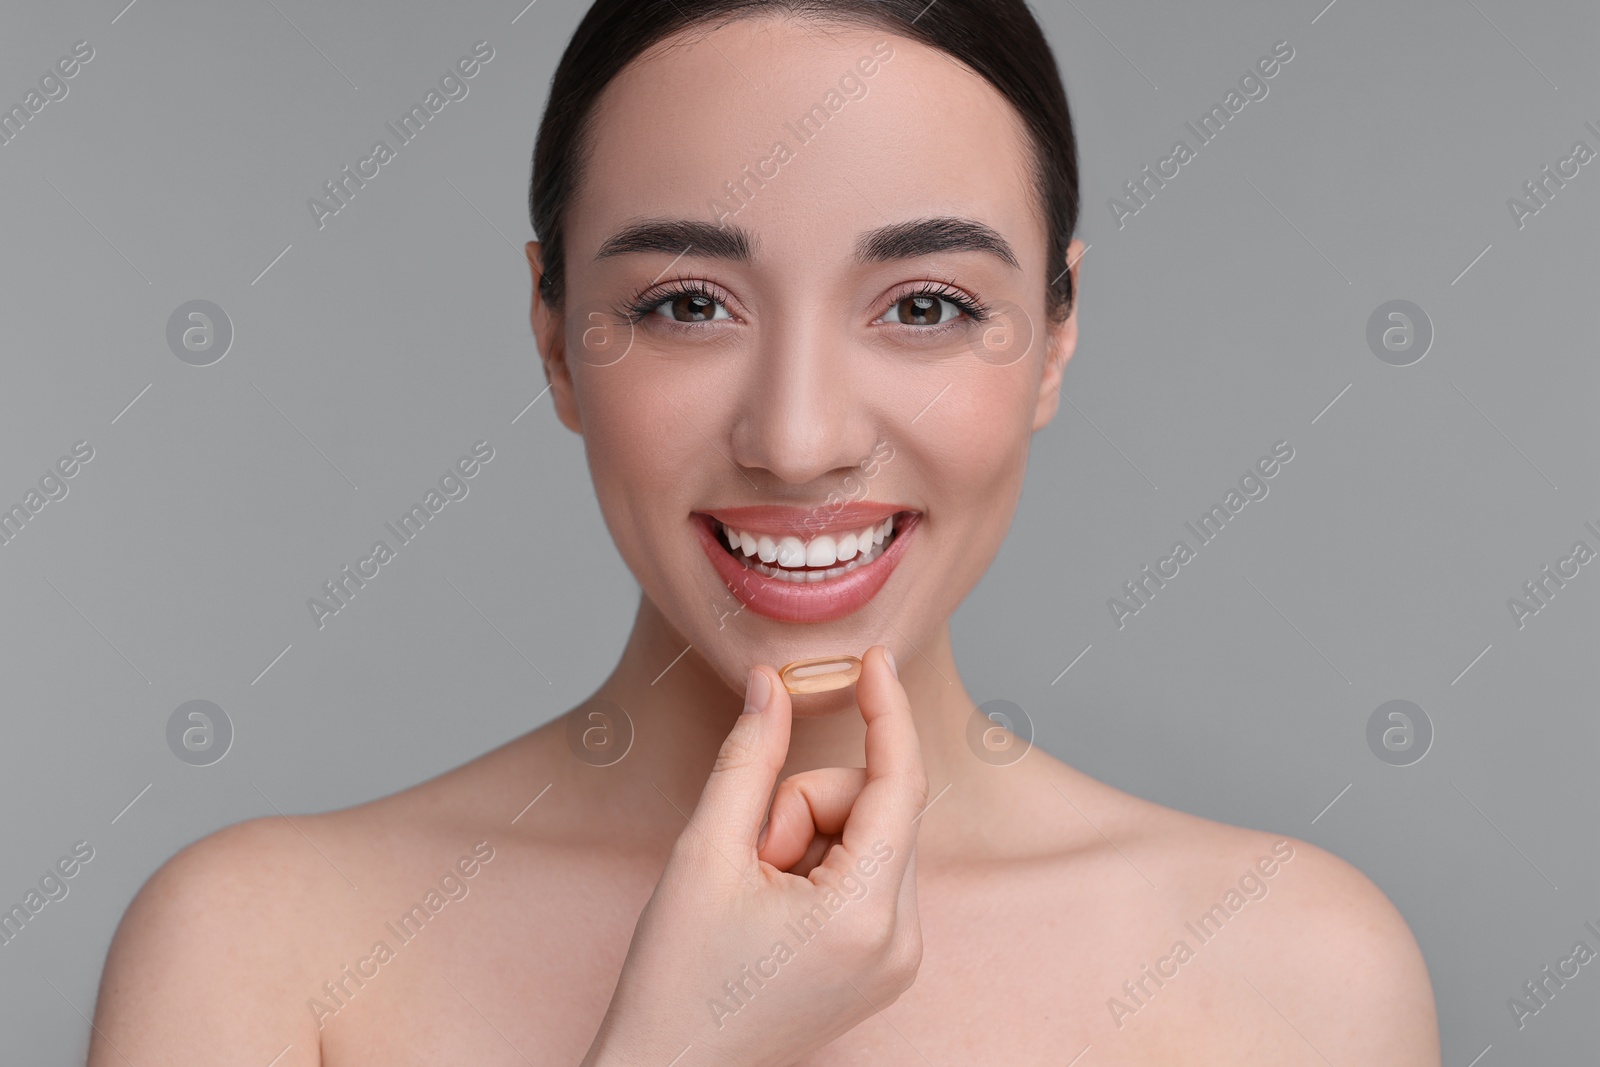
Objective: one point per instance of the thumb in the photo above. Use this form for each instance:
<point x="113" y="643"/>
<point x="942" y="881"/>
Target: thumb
<point x="733" y="804"/>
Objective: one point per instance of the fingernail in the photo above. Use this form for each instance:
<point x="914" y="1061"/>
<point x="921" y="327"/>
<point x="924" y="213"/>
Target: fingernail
<point x="757" y="690"/>
<point x="888" y="657"/>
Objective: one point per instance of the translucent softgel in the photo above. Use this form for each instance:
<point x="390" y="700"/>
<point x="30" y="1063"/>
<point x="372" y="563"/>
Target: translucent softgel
<point x="820" y="674"/>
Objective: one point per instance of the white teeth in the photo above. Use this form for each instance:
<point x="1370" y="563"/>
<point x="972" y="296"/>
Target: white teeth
<point x="828" y="556"/>
<point x="805" y="577"/>
<point x="791" y="552"/>
<point x="820" y="552"/>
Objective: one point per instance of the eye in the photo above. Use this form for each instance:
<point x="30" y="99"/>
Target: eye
<point x="690" y="307"/>
<point x="924" y="311"/>
<point x="932" y="307"/>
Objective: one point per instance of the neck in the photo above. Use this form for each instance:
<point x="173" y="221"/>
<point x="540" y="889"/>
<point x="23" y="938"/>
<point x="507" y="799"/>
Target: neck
<point x="681" y="710"/>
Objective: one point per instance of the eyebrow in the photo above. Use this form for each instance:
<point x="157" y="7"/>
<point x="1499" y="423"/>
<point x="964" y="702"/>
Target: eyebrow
<point x="678" y="236"/>
<point x="901" y="240"/>
<point x="926" y="237"/>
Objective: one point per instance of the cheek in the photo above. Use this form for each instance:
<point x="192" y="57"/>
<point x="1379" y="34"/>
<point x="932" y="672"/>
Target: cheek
<point x="617" y="421"/>
<point x="657" y="421"/>
<point x="643" y="449"/>
<point x="979" y="430"/>
<point x="628" y="422"/>
<point x="975" y="452"/>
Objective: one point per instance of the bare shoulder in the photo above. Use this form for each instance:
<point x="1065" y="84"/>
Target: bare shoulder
<point x="1304" y="937"/>
<point x="219" y="925"/>
<point x="1338" y="957"/>
<point x="249" y="920"/>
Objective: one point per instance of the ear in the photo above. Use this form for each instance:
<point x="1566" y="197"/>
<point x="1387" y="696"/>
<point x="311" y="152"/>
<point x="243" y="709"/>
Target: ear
<point x="1063" y="342"/>
<point x="549" y="332"/>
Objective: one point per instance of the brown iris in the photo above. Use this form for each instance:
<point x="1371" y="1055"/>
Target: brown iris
<point x="921" y="310"/>
<point x="694" y="307"/>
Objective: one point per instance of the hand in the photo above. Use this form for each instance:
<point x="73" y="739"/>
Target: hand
<point x="736" y="958"/>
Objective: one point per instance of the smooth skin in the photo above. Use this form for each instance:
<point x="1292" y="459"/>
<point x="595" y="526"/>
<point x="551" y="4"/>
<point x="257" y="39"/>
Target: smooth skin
<point x="1018" y="898"/>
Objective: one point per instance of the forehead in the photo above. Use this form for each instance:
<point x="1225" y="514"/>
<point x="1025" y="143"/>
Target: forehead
<point x="814" y="132"/>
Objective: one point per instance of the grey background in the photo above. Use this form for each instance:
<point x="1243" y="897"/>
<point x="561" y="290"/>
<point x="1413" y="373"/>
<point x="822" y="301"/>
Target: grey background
<point x="1225" y="316"/>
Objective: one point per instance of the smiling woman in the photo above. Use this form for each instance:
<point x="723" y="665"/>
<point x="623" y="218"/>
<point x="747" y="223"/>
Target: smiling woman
<point x="814" y="418"/>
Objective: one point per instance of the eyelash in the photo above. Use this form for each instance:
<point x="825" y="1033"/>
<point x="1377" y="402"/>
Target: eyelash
<point x="975" y="309"/>
<point x="638" y="307"/>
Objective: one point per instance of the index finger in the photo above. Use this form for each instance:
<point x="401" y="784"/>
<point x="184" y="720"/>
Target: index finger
<point x="896" y="786"/>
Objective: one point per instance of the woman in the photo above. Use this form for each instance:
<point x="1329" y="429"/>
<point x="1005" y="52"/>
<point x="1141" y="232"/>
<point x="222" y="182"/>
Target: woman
<point x="806" y="286"/>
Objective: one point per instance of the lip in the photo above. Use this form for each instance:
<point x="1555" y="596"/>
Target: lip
<point x="824" y="601"/>
<point x="806" y="523"/>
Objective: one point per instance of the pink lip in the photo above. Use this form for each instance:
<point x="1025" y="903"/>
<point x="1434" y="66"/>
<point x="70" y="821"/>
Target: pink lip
<point x="824" y="601"/>
<point x="806" y="523"/>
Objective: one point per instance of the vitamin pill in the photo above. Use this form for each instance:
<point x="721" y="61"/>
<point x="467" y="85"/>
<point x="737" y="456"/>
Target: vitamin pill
<point x="821" y="674"/>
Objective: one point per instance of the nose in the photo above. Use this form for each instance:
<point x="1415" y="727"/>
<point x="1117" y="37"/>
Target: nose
<point x="803" y="413"/>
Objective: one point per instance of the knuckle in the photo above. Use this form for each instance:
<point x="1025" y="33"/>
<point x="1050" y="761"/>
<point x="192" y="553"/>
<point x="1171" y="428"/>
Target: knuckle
<point x="873" y="932"/>
<point x="736" y="754"/>
<point x="881" y="945"/>
<point x="894" y="958"/>
<point x="904" y="957"/>
<point x="691" y="851"/>
<point x="919" y="788"/>
<point x="788" y="791"/>
<point x="915" y="783"/>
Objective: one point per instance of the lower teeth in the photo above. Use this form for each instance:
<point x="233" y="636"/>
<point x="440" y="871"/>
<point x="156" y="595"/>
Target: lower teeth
<point x="805" y="576"/>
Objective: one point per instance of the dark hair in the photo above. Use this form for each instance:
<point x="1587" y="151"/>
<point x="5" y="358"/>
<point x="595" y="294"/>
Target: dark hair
<point x="999" y="39"/>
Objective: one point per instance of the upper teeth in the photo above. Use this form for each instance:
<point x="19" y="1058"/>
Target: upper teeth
<point x="824" y="550"/>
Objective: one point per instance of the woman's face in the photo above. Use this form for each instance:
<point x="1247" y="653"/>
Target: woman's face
<point x="806" y="278"/>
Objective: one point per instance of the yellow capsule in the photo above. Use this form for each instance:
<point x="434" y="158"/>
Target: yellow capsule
<point x="820" y="674"/>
